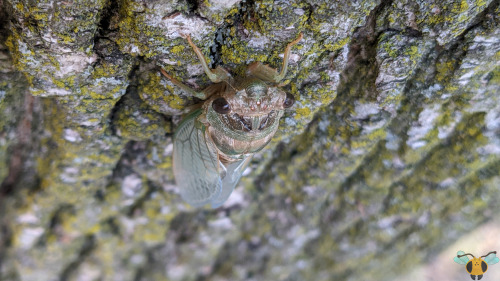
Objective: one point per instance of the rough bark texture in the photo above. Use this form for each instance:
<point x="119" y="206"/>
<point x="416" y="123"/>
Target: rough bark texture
<point x="391" y="151"/>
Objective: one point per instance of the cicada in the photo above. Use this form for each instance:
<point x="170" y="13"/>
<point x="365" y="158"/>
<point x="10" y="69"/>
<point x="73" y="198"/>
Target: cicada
<point x="214" y="144"/>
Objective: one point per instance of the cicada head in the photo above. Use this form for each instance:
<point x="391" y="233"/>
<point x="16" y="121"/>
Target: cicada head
<point x="258" y="98"/>
<point x="251" y="107"/>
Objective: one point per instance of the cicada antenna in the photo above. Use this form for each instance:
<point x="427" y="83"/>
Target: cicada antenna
<point x="492" y="252"/>
<point x="459" y="256"/>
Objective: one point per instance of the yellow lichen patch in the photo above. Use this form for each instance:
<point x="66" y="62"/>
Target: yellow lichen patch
<point x="459" y="8"/>
<point x="66" y="38"/>
<point x="105" y="69"/>
<point x="166" y="164"/>
<point x="338" y="45"/>
<point x="177" y="49"/>
<point x="234" y="54"/>
<point x="302" y="112"/>
<point x="157" y="96"/>
<point x="12" y="44"/>
<point x="230" y="14"/>
<point x="443" y="70"/>
<point x="19" y="6"/>
<point x="495" y="76"/>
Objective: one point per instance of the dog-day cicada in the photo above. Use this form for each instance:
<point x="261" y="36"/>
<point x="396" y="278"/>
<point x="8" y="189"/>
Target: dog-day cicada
<point x="214" y="144"/>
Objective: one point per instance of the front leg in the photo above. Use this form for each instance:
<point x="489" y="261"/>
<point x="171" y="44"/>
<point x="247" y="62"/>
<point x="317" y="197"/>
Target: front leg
<point x="215" y="75"/>
<point x="201" y="95"/>
<point x="267" y="73"/>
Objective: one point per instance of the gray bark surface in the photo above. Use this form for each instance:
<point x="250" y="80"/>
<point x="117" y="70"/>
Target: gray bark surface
<point x="390" y="153"/>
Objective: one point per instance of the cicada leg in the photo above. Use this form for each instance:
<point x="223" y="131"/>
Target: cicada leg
<point x="267" y="73"/>
<point x="199" y="94"/>
<point x="215" y="75"/>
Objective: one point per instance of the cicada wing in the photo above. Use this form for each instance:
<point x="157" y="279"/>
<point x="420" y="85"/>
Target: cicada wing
<point x="461" y="260"/>
<point x="196" y="164"/>
<point x="232" y="177"/>
<point x="491" y="259"/>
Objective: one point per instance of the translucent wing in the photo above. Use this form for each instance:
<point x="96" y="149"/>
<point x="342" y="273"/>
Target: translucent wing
<point x="461" y="260"/>
<point x="231" y="178"/>
<point x="491" y="259"/>
<point x="196" y="164"/>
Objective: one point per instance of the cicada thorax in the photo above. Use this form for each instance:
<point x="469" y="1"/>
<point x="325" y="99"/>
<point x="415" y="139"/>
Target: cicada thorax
<point x="245" y="117"/>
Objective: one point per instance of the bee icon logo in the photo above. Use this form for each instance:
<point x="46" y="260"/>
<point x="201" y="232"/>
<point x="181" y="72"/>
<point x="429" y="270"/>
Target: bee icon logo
<point x="476" y="266"/>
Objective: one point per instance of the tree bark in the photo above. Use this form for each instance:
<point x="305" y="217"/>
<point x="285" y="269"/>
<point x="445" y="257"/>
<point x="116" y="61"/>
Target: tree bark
<point x="390" y="153"/>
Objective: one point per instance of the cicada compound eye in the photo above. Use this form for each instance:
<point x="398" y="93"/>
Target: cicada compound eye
<point x="289" y="100"/>
<point x="221" y="106"/>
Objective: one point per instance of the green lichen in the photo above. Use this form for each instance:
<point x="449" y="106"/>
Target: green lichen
<point x="68" y="39"/>
<point x="443" y="70"/>
<point x="338" y="45"/>
<point x="177" y="49"/>
<point x="237" y="52"/>
<point x="136" y="34"/>
<point x="105" y="69"/>
<point x="19" y="59"/>
<point x="137" y="121"/>
<point x="301" y="112"/>
<point x="158" y="96"/>
<point x="495" y="76"/>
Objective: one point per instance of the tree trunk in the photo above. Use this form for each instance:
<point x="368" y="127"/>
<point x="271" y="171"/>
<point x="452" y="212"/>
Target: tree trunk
<point x="390" y="153"/>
